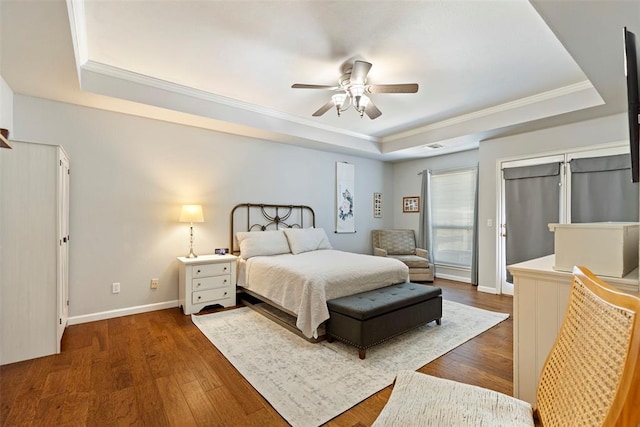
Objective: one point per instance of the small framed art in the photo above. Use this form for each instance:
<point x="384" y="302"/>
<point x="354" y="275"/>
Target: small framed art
<point x="377" y="205"/>
<point x="411" y="204"/>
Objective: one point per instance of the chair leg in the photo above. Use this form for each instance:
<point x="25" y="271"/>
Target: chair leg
<point x="362" y="353"/>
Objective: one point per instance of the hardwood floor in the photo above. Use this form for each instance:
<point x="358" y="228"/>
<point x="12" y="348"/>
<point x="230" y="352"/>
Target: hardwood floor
<point x="158" y="369"/>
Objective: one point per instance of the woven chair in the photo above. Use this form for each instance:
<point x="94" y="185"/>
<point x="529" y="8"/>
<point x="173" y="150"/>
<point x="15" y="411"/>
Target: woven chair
<point x="590" y="378"/>
<point x="401" y="244"/>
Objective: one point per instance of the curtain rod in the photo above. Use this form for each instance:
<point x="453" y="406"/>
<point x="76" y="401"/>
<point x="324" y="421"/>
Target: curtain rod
<point x="450" y="170"/>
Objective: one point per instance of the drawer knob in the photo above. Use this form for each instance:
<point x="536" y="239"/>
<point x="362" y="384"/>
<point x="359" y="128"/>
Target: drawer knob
<point x="225" y="293"/>
<point x="224" y="281"/>
<point x="198" y="285"/>
<point x="198" y="271"/>
<point x="225" y="268"/>
<point x="199" y="297"/>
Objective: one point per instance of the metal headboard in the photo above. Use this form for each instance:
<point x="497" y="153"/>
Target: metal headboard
<point x="268" y="217"/>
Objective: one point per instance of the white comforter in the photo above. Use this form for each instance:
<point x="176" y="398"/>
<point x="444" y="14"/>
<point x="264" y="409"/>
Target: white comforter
<point x="304" y="282"/>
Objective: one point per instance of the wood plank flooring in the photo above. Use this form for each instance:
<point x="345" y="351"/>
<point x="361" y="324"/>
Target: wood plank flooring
<point x="157" y="369"/>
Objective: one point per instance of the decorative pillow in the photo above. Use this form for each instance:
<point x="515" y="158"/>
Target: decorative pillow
<point x="257" y="243"/>
<point x="306" y="239"/>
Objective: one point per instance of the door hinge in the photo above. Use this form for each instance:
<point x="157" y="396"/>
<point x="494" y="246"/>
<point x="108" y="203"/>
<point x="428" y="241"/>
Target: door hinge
<point x="60" y="320"/>
<point x="67" y="303"/>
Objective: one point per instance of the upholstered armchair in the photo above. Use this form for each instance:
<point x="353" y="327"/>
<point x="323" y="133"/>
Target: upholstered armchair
<point x="401" y="244"/>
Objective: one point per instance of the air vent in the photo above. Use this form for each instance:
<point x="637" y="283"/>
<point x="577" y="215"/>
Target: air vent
<point x="433" y="146"/>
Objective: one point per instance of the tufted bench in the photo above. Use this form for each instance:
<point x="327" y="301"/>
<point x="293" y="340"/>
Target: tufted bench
<point x="368" y="318"/>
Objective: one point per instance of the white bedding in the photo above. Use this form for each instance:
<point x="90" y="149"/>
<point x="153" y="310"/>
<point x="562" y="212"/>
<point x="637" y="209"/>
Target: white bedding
<point x="304" y="282"/>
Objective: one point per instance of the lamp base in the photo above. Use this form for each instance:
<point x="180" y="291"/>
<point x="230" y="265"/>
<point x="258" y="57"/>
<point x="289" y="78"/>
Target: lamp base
<point x="191" y="254"/>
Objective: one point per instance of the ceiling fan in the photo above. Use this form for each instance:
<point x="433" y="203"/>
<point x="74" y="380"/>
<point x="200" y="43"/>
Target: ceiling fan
<point x="352" y="89"/>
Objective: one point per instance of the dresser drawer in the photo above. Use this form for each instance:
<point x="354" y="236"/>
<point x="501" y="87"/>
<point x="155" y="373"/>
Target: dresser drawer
<point x="210" y="282"/>
<point x="205" y="270"/>
<point x="211" y="295"/>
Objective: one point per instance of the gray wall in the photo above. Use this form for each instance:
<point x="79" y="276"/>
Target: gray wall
<point x="407" y="182"/>
<point x="130" y="176"/>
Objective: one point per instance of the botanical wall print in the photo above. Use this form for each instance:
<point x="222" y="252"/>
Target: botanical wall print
<point x="345" y="195"/>
<point x="377" y="205"/>
<point x="411" y="204"/>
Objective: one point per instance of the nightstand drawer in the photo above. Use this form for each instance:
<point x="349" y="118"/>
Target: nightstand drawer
<point x="211" y="269"/>
<point x="210" y="295"/>
<point x="210" y="282"/>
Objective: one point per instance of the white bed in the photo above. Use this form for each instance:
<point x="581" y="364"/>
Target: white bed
<point x="297" y="270"/>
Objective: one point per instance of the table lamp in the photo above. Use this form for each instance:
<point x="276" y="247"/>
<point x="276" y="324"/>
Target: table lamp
<point x="191" y="214"/>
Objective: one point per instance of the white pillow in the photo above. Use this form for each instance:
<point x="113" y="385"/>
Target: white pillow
<point x="257" y="243"/>
<point x="306" y="239"/>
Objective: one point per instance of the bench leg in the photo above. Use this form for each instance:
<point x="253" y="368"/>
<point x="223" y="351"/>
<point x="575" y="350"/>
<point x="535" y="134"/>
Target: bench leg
<point x="439" y="321"/>
<point x="362" y="353"/>
<point x="329" y="338"/>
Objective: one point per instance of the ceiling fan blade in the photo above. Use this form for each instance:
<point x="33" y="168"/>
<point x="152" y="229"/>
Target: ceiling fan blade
<point x="326" y="107"/>
<point x="359" y="72"/>
<point x="305" y="86"/>
<point x="397" y="88"/>
<point x="372" y="111"/>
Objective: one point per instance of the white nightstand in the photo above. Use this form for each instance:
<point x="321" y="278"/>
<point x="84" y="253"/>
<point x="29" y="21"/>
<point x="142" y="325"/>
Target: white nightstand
<point x="207" y="280"/>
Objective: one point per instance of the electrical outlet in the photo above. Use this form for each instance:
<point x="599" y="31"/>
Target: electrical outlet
<point x="115" y="288"/>
<point x="154" y="283"/>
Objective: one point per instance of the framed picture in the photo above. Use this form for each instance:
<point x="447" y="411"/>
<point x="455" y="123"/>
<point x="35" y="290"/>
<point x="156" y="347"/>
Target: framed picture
<point x="411" y="204"/>
<point x="377" y="205"/>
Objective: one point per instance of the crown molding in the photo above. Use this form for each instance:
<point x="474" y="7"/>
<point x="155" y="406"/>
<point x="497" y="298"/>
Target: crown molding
<point x="78" y="27"/>
<point x="523" y="102"/>
<point x="142" y="79"/>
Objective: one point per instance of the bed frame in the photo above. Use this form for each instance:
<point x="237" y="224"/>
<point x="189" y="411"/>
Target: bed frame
<point x="268" y="217"/>
<point x="261" y="217"/>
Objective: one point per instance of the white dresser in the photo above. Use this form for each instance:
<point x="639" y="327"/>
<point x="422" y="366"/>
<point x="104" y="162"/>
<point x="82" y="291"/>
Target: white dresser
<point x="206" y="280"/>
<point x="540" y="299"/>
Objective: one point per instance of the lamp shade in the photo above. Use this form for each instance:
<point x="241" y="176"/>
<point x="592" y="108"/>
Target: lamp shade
<point x="191" y="213"/>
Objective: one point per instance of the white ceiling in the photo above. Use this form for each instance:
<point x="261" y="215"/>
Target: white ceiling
<point x="485" y="68"/>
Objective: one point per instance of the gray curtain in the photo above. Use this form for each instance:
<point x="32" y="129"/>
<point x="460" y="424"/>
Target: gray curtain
<point x="424" y="235"/>
<point x="532" y="200"/>
<point x="601" y="190"/>
<point x="474" y="254"/>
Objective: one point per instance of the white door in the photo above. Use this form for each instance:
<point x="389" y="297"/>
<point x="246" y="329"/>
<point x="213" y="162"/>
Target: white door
<point x="63" y="248"/>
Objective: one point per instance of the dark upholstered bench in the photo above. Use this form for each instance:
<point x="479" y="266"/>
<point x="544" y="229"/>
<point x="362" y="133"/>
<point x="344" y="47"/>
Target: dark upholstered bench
<point x="368" y="318"/>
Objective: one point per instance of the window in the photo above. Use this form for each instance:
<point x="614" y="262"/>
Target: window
<point x="452" y="197"/>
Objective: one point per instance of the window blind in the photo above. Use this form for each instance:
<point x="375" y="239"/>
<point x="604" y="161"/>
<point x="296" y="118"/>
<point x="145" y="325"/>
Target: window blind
<point x="452" y="216"/>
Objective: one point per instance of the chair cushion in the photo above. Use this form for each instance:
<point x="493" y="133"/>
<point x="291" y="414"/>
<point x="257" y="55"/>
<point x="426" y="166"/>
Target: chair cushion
<point x="412" y="261"/>
<point x="422" y="400"/>
<point x="396" y="242"/>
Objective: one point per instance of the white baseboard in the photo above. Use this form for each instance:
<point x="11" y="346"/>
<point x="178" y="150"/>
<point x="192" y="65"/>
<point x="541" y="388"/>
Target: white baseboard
<point x="453" y="277"/>
<point x="487" y="290"/>
<point x="92" y="317"/>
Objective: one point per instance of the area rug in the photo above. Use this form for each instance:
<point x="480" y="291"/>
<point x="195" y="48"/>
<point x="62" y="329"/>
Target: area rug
<point x="309" y="384"/>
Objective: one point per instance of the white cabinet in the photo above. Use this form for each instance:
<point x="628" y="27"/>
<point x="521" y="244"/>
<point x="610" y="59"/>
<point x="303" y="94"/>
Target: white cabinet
<point x="34" y="236"/>
<point x="540" y="299"/>
<point x="206" y="280"/>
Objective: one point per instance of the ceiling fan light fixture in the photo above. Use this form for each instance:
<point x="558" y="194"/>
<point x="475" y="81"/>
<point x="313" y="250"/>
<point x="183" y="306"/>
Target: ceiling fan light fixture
<point x="362" y="103"/>
<point x="338" y="101"/>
